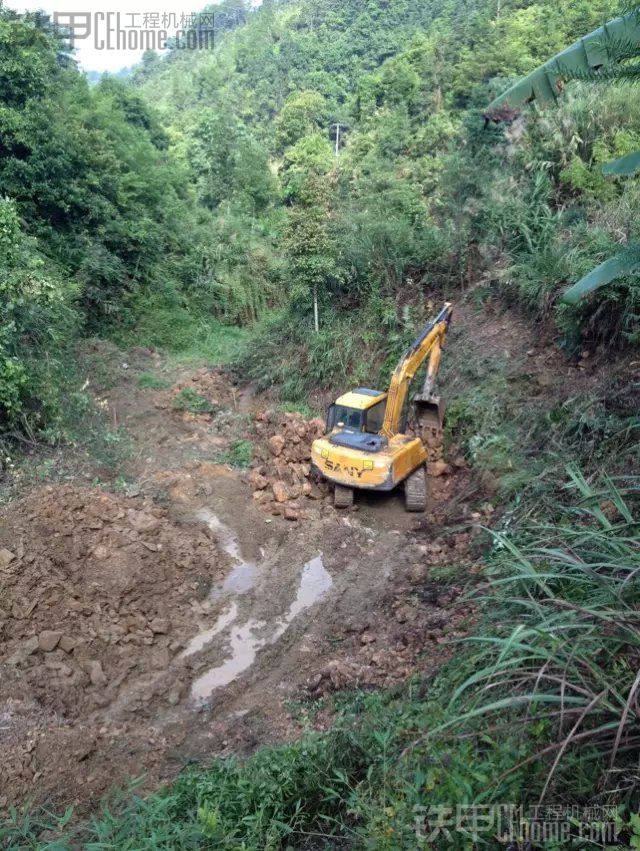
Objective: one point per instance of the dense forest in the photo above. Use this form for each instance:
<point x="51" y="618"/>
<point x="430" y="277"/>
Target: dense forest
<point x="209" y="187"/>
<point x="423" y="193"/>
<point x="322" y="180"/>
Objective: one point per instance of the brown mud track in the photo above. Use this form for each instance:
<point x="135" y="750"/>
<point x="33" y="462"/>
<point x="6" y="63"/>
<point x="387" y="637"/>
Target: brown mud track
<point x="178" y="622"/>
<point x="142" y="632"/>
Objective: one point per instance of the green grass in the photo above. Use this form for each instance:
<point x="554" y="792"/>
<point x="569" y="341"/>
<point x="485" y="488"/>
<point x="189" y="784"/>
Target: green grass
<point x="564" y="637"/>
<point x="188" y="400"/>
<point x="239" y="454"/>
<point x="213" y="344"/>
<point x="352" y="348"/>
<point x="148" y="381"/>
<point x="163" y="320"/>
<point x="296" y="408"/>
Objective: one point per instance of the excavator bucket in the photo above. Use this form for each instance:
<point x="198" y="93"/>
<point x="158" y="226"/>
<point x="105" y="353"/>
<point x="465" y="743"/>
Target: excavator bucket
<point x="429" y="412"/>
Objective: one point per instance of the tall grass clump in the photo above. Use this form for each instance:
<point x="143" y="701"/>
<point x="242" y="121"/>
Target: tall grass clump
<point x="562" y="651"/>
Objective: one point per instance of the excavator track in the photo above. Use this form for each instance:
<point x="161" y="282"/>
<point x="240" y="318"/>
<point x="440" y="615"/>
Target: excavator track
<point x="343" y="497"/>
<point x="415" y="490"/>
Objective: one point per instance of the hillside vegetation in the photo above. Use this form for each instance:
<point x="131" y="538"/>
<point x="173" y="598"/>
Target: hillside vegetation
<point x="423" y="199"/>
<point x="208" y="193"/>
<point x="210" y="188"/>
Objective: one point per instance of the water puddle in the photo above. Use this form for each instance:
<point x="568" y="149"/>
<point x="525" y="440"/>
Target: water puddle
<point x="314" y="584"/>
<point x="244" y="646"/>
<point x="243" y="576"/>
<point x="247" y="639"/>
<point x="203" y="638"/>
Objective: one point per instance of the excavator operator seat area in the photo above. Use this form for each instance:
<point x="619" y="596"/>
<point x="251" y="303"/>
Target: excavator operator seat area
<point x="361" y="410"/>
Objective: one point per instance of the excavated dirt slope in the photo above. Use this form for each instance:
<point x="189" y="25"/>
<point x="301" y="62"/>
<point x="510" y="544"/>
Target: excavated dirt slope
<point x="143" y="631"/>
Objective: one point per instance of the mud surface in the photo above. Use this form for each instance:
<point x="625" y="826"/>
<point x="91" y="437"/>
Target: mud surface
<point x="178" y="620"/>
<point x="179" y="617"/>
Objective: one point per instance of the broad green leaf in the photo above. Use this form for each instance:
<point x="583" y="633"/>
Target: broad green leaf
<point x="586" y="55"/>
<point x="624" y="263"/>
<point x="624" y="166"/>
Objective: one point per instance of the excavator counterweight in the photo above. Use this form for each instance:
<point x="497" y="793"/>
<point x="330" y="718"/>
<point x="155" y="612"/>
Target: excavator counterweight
<point x="367" y="445"/>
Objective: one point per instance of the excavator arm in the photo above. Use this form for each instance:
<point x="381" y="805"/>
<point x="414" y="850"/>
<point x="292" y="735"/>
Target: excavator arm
<point x="428" y="344"/>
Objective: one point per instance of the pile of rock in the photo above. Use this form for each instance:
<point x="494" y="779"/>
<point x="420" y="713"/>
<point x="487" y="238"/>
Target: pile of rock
<point x="281" y="475"/>
<point x="97" y="592"/>
<point x="433" y="444"/>
<point x="199" y="396"/>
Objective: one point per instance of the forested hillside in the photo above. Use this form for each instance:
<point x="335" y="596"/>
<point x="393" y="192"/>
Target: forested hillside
<point x="423" y="196"/>
<point x="194" y="259"/>
<point x="210" y="188"/>
<point x="94" y="211"/>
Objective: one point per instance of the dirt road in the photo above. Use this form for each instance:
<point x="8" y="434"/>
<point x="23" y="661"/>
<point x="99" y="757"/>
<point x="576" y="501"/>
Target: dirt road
<point x="185" y="610"/>
<point x="178" y="619"/>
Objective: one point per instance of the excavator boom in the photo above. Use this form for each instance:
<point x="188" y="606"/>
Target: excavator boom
<point x="428" y="344"/>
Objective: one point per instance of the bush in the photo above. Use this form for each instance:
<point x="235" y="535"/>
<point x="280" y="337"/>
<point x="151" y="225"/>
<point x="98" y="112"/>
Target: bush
<point x="37" y="323"/>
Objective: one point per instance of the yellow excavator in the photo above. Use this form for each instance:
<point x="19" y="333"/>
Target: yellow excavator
<point x="366" y="445"/>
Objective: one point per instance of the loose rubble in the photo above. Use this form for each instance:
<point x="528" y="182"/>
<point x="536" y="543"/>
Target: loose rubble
<point x="413" y="629"/>
<point x="96" y="604"/>
<point x="207" y="388"/>
<point x="280" y="475"/>
<point x="96" y="590"/>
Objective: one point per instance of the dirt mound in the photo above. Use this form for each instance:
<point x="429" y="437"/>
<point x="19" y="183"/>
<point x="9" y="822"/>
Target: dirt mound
<point x="199" y="396"/>
<point x="97" y="602"/>
<point x="97" y="592"/>
<point x="96" y="589"/>
<point x="281" y="471"/>
<point x="210" y="383"/>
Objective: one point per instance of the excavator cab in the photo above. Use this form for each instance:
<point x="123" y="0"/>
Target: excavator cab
<point x="361" y="410"/>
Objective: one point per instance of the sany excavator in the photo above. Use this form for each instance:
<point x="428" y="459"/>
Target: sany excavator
<point x="366" y="445"/>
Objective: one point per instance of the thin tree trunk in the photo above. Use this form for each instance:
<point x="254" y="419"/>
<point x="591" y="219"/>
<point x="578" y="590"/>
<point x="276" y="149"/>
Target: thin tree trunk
<point x="316" y="323"/>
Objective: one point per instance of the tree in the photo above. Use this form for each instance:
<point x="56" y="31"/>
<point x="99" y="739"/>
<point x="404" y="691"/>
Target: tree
<point x="36" y="312"/>
<point x="227" y="161"/>
<point x="605" y="55"/>
<point x="308" y="246"/>
<point x="303" y="113"/>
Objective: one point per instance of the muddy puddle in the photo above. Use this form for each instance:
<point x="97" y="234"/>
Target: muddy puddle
<point x="245" y="639"/>
<point x="243" y="576"/>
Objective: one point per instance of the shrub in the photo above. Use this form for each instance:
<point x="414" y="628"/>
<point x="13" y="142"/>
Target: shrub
<point x="37" y="323"/>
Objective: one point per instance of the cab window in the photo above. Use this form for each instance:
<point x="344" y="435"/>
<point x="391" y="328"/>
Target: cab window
<point x="349" y="417"/>
<point x="375" y="417"/>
